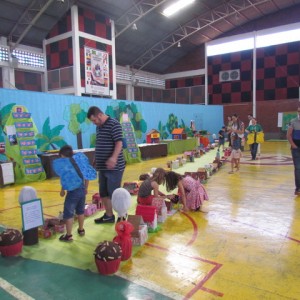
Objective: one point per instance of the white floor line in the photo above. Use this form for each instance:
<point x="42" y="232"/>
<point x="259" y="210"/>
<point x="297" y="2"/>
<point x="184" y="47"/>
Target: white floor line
<point x="150" y="286"/>
<point x="14" y="291"/>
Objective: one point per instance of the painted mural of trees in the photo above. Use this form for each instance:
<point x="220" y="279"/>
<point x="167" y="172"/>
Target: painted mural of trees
<point x="76" y="116"/>
<point x="162" y="130"/>
<point x="50" y="139"/>
<point x="117" y="109"/>
<point x="4" y="114"/>
<point x="187" y="129"/>
<point x="172" y="123"/>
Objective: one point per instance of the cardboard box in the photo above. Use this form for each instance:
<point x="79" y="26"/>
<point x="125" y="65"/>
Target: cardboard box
<point x="175" y="164"/>
<point x="139" y="236"/>
<point x="161" y="218"/>
<point x="149" y="215"/>
<point x="44" y="232"/>
<point x="90" y="209"/>
<point x="96" y="199"/>
<point x="161" y="209"/>
<point x="131" y="187"/>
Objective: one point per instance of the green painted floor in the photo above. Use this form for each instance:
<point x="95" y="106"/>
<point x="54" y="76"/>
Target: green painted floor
<point x="41" y="280"/>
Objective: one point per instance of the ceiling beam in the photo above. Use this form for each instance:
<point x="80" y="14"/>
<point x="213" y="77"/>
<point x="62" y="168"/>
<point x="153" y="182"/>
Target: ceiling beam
<point x="30" y="16"/>
<point x="135" y="13"/>
<point x="195" y="25"/>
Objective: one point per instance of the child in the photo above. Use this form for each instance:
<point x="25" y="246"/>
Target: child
<point x="190" y="190"/>
<point x="236" y="152"/>
<point x="145" y="195"/>
<point x="222" y="133"/>
<point x="72" y="180"/>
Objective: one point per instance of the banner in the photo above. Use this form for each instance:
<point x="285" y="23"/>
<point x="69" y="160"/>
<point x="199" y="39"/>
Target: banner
<point x="96" y="71"/>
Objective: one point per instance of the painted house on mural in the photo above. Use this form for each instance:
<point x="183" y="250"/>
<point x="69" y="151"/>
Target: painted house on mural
<point x="153" y="137"/>
<point x="179" y="134"/>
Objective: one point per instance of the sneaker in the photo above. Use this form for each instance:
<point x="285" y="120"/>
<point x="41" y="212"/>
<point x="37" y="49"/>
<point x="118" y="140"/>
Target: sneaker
<point x="66" y="238"/>
<point x="105" y="219"/>
<point x="81" y="232"/>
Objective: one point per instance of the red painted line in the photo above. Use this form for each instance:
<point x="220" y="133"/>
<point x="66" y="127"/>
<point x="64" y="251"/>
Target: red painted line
<point x="195" y="234"/>
<point x="53" y="205"/>
<point x="253" y="226"/>
<point x="5" y="209"/>
<point x="199" y="286"/>
<point x="49" y="215"/>
<point x="292" y="239"/>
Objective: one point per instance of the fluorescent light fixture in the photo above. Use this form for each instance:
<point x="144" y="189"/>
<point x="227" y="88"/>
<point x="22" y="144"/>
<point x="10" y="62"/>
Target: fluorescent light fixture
<point x="229" y="47"/>
<point x="172" y="9"/>
<point x="277" y="38"/>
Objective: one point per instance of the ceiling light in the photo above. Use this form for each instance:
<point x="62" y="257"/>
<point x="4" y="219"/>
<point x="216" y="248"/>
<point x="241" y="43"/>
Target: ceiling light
<point x="134" y="27"/>
<point x="179" y="45"/>
<point x="177" y="6"/>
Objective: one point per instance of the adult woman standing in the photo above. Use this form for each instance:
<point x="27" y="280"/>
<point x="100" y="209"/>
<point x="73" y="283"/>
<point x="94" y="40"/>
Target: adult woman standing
<point x="229" y="128"/>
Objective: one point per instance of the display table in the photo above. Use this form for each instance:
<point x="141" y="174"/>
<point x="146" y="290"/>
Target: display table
<point x="47" y="159"/>
<point x="180" y="146"/>
<point x="153" y="150"/>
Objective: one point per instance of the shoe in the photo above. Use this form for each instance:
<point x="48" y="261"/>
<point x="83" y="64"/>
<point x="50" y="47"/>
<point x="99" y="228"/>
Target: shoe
<point x="81" y="232"/>
<point x="66" y="238"/>
<point x="203" y="209"/>
<point x="105" y="219"/>
<point x="297" y="192"/>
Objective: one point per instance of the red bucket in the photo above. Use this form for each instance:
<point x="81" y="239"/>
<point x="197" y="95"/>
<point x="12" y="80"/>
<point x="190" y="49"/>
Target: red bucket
<point x="12" y="250"/>
<point x="107" y="267"/>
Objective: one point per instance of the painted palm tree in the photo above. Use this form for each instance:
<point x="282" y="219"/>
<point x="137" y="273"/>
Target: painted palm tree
<point x="50" y="139"/>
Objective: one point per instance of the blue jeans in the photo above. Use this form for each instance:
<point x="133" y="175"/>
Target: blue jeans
<point x="74" y="202"/>
<point x="253" y="149"/>
<point x="296" y="160"/>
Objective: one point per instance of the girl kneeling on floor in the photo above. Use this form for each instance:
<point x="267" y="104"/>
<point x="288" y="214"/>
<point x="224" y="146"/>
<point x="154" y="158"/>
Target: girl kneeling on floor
<point x="191" y="191"/>
<point x="145" y="195"/>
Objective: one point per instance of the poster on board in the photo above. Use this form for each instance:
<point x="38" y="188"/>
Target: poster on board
<point x="32" y="214"/>
<point x="96" y="71"/>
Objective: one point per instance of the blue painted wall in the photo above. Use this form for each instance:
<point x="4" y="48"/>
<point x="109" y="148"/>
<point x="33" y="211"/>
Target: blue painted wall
<point x="58" y="109"/>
